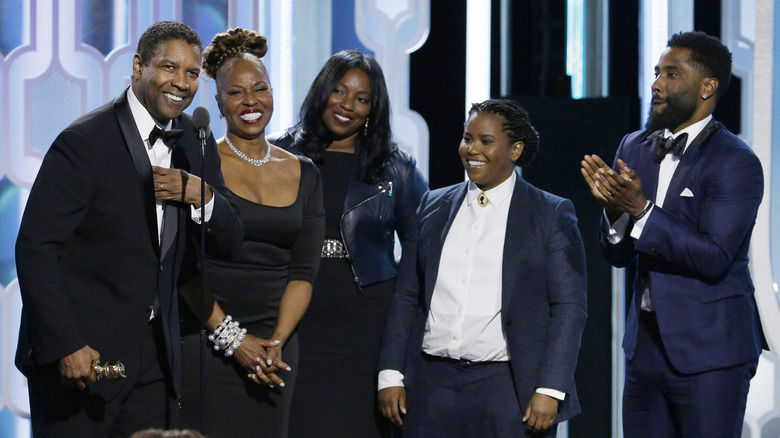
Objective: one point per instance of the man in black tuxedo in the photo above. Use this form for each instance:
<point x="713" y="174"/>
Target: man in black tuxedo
<point x="108" y="233"/>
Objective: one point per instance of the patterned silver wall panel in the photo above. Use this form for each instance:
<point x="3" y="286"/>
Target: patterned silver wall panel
<point x="393" y="29"/>
<point x="62" y="58"/>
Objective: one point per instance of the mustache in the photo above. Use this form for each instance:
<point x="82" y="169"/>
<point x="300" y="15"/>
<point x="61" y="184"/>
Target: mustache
<point x="659" y="99"/>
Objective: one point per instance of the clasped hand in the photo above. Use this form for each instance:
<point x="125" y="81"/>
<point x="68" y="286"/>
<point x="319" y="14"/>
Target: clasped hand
<point x="178" y="185"/>
<point x="262" y="359"/>
<point x="617" y="193"/>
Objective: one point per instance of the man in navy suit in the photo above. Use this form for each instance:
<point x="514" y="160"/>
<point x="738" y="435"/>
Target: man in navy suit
<point x="483" y="332"/>
<point x="693" y="334"/>
<point x="106" y="238"/>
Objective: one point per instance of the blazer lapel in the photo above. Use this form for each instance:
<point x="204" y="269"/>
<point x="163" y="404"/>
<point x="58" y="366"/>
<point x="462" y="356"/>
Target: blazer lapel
<point x="440" y="223"/>
<point x="687" y="162"/>
<point x="514" y="241"/>
<point x="647" y="168"/>
<point x="143" y="167"/>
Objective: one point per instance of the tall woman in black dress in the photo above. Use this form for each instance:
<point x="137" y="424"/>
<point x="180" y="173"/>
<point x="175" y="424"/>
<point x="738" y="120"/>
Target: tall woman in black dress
<point x="267" y="289"/>
<point x="371" y="190"/>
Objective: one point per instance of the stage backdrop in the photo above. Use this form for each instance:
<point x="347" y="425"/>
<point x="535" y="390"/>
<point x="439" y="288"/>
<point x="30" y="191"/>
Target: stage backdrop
<point x="62" y="58"/>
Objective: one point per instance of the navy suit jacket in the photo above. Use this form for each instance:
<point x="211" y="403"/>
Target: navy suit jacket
<point x="694" y="250"/>
<point x="543" y="305"/>
<point x="88" y="256"/>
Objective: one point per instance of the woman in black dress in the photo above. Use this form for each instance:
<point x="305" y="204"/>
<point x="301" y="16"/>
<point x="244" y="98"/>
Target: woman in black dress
<point x="248" y="385"/>
<point x="371" y="191"/>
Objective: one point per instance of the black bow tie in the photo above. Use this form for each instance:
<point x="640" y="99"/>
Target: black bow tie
<point x="665" y="145"/>
<point x="168" y="137"/>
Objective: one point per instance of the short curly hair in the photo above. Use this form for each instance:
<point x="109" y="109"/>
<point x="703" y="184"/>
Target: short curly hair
<point x="164" y="31"/>
<point x="517" y="125"/>
<point x="708" y="55"/>
<point x="232" y="44"/>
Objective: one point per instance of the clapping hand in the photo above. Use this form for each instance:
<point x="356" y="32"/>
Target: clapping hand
<point x="617" y="193"/>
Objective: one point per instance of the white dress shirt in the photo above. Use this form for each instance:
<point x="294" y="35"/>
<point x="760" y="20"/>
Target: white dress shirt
<point x="665" y="173"/>
<point x="464" y="321"/>
<point x="159" y="155"/>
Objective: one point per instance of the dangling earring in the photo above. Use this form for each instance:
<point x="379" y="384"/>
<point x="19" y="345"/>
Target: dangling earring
<point x="365" y="127"/>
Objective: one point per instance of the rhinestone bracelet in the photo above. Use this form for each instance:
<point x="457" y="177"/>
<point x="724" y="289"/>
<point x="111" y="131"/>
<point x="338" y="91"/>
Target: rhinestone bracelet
<point x="227" y="336"/>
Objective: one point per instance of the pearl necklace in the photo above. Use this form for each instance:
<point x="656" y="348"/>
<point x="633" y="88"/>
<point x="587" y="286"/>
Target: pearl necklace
<point x="243" y="156"/>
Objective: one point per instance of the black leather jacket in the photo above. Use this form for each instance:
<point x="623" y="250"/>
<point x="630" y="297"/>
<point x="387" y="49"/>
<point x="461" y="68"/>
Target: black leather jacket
<point x="373" y="212"/>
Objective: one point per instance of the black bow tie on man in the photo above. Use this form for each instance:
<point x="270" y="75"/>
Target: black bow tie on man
<point x="168" y="137"/>
<point x="665" y="145"/>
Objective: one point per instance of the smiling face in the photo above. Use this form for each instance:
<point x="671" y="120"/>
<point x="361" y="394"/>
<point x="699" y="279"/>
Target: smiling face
<point x="677" y="91"/>
<point x="245" y="96"/>
<point x="166" y="86"/>
<point x="348" y="106"/>
<point x="486" y="152"/>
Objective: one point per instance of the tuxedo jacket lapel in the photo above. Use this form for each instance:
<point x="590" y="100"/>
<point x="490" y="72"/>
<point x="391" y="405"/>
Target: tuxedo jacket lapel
<point x="169" y="228"/>
<point x="143" y="168"/>
<point x="172" y="217"/>
<point x="441" y="221"/>
<point x="687" y="162"/>
<point x="647" y="168"/>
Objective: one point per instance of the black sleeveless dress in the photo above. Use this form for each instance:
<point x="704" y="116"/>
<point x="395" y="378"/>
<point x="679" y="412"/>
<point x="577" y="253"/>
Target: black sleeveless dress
<point x="281" y="244"/>
<point x="335" y="395"/>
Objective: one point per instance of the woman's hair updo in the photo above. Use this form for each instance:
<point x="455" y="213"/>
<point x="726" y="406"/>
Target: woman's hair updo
<point x="232" y="44"/>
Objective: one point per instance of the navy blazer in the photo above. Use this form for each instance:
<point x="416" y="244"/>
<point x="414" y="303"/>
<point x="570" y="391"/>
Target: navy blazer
<point x="88" y="256"/>
<point x="543" y="306"/>
<point x="694" y="250"/>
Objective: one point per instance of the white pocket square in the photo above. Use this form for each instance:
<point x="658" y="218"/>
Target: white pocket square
<point x="687" y="193"/>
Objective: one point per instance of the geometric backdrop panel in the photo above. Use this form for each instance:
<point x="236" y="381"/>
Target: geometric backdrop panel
<point x="62" y="58"/>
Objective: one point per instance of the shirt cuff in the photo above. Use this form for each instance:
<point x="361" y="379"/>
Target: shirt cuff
<point x="388" y="378"/>
<point x="617" y="230"/>
<point x="195" y="212"/>
<point x="640" y="224"/>
<point x="554" y="393"/>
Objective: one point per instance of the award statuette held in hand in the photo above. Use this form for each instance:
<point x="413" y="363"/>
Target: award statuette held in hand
<point x="112" y="370"/>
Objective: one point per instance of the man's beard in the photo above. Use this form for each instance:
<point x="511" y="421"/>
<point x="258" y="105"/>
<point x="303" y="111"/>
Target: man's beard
<point x="679" y="109"/>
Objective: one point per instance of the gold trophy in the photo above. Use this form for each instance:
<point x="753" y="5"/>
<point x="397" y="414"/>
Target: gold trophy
<point x="112" y="370"/>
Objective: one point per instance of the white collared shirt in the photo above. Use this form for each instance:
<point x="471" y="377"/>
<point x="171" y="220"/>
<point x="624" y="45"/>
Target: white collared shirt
<point x="665" y="173"/>
<point x="159" y="154"/>
<point x="464" y="321"/>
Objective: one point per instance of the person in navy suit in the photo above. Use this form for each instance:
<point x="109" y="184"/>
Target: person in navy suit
<point x="681" y="200"/>
<point x="107" y="236"/>
<point x="483" y="331"/>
